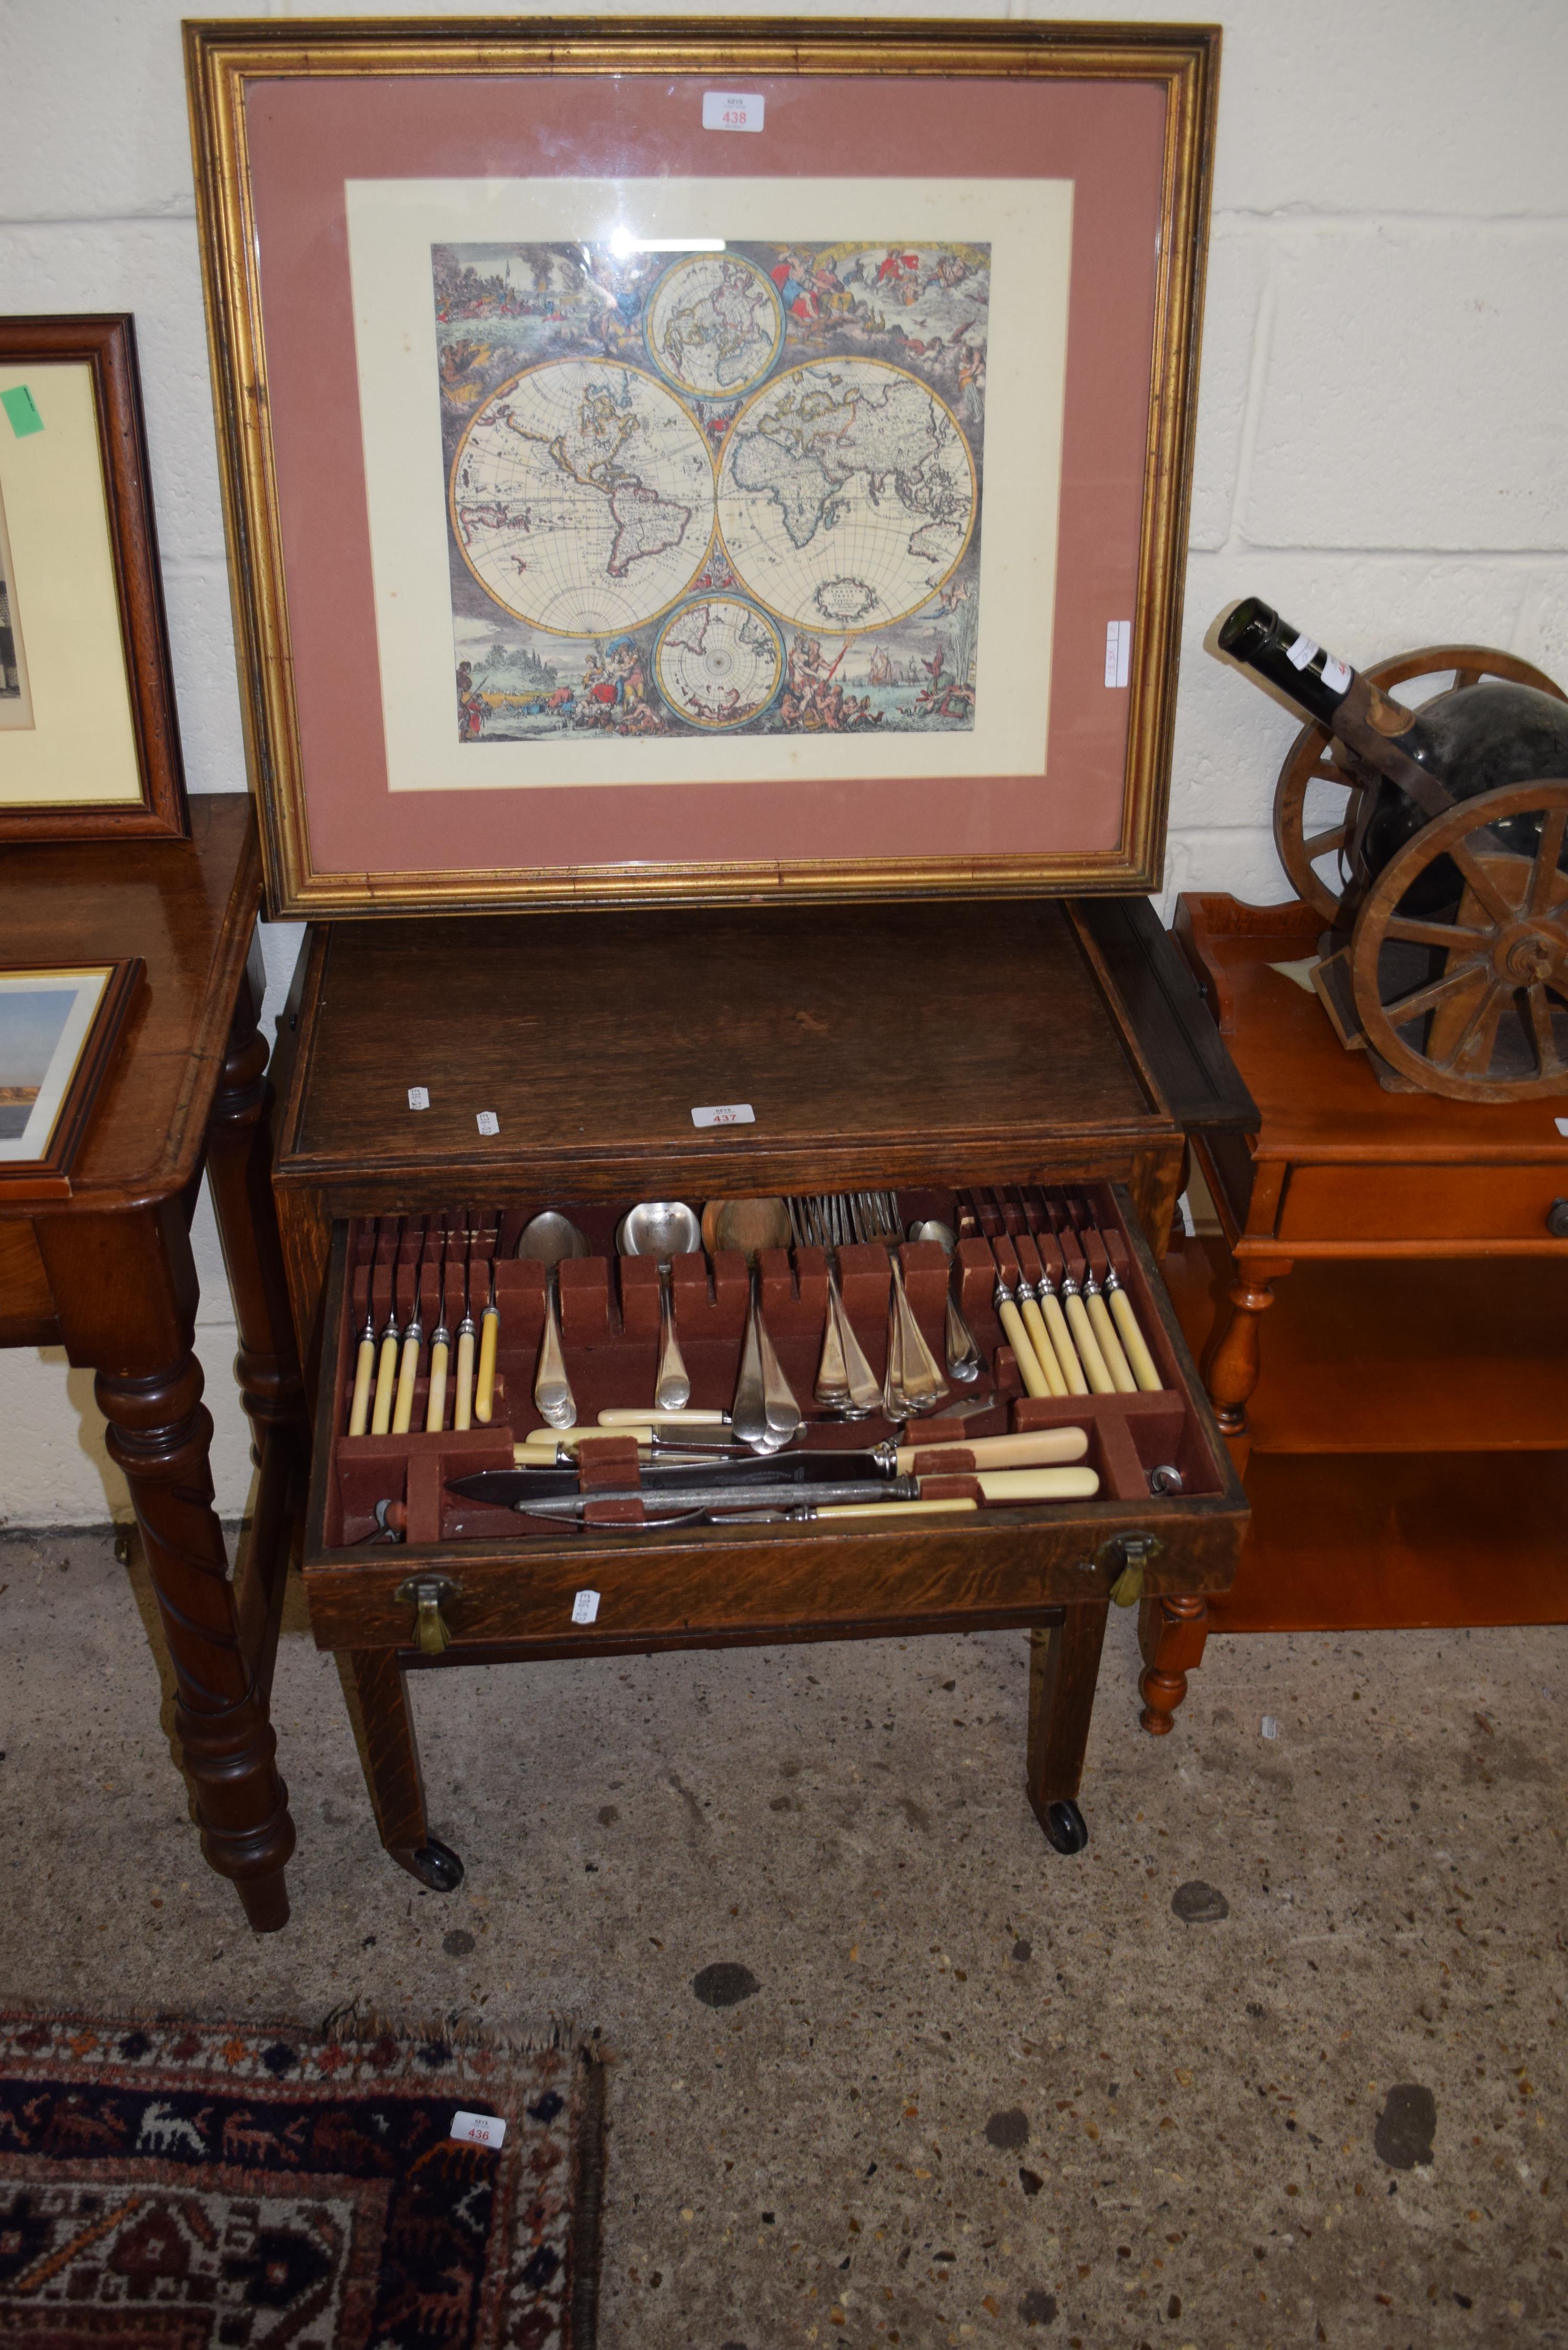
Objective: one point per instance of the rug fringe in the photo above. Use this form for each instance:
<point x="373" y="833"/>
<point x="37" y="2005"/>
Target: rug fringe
<point x="349" y="2026"/>
<point x="536" y="2034"/>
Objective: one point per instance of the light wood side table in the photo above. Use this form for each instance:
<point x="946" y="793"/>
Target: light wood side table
<point x="1398" y="1405"/>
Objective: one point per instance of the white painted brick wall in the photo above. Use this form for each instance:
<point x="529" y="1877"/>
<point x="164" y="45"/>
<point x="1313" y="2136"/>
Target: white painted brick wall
<point x="1381" y="439"/>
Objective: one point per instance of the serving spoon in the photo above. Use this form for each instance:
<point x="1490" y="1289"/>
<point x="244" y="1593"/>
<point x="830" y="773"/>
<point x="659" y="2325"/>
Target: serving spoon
<point x="664" y="1230"/>
<point x="547" y="1240"/>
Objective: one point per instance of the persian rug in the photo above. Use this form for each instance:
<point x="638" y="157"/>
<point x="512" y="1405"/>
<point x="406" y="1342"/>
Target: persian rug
<point x="224" y="2186"/>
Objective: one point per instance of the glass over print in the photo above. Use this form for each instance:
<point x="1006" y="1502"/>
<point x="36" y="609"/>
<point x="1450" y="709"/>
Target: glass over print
<point x="88" y="741"/>
<point x="635" y="510"/>
<point x="45" y="1019"/>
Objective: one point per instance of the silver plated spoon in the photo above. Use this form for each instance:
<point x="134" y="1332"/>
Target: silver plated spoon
<point x="547" y="1239"/>
<point x="664" y="1230"/>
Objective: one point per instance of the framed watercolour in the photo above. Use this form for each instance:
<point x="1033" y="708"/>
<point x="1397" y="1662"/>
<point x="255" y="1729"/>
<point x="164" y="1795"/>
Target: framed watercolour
<point x="88" y="745"/>
<point x="59" y="1026"/>
<point x="687" y="460"/>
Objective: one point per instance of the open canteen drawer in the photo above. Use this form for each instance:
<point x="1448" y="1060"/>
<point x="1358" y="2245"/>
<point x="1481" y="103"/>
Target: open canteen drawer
<point x="515" y="1579"/>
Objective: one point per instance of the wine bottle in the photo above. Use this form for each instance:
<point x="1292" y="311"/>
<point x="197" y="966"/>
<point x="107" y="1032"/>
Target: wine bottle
<point x="1307" y="675"/>
<point x="1312" y="679"/>
<point x="1470" y="740"/>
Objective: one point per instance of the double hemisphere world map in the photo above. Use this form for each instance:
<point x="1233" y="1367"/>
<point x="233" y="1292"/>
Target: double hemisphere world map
<point x="712" y="492"/>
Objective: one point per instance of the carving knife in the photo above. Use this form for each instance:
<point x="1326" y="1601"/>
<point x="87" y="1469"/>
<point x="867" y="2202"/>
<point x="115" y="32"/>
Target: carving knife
<point x="1046" y="1448"/>
<point x="1037" y="1449"/>
<point x="1016" y="1487"/>
<point x="554" y="1493"/>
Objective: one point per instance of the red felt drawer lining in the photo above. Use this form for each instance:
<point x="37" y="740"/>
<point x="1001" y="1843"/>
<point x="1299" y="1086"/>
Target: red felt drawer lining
<point x="609" y="1318"/>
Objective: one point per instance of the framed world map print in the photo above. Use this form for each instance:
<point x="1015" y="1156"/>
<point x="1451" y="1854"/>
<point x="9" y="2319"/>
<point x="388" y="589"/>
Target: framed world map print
<point x="626" y="507"/>
<point x="711" y="504"/>
<point x="724" y="597"/>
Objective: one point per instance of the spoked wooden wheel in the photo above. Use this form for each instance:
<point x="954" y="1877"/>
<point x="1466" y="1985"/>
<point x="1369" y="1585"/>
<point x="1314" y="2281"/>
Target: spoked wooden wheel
<point x="1473" y="1004"/>
<point x="1307" y="763"/>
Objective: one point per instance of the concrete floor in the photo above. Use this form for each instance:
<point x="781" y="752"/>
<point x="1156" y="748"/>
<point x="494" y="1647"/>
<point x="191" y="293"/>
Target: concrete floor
<point x="980" y="2093"/>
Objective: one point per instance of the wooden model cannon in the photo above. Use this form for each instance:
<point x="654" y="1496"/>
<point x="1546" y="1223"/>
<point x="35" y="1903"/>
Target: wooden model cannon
<point x="1442" y="880"/>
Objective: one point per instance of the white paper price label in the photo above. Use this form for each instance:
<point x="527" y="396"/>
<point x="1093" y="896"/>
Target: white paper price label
<point x="1304" y="649"/>
<point x="725" y="1114"/>
<point x="732" y="109"/>
<point x="1118" y="653"/>
<point x="419" y="1097"/>
<point x="487" y="1121"/>
<point x="1336" y="674"/>
<point x="584" y="1607"/>
<point x="478" y="2129"/>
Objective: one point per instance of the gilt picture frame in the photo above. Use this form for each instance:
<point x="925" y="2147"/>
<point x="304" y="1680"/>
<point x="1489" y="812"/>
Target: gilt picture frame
<point x="60" y="1024"/>
<point x="89" y="743"/>
<point x="669" y="462"/>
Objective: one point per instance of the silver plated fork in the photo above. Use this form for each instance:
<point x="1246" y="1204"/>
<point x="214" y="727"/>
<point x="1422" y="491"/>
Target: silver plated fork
<point x="914" y="1382"/>
<point x="846" y="1383"/>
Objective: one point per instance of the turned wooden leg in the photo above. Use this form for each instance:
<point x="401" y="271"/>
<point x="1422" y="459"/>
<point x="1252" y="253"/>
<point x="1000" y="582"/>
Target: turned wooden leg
<point x="159" y="1433"/>
<point x="1172" y="1633"/>
<point x="239" y="1172"/>
<point x="390" y="1755"/>
<point x="1064" y="1667"/>
<point x="1233" y="1364"/>
<point x="125" y="1288"/>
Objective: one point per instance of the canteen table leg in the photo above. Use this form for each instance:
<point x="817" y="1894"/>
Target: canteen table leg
<point x="1064" y="1667"/>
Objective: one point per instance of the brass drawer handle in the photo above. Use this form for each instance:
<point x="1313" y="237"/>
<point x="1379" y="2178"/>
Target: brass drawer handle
<point x="1133" y="1552"/>
<point x="429" y="1593"/>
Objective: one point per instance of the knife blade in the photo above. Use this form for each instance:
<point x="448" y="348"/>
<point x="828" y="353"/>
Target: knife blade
<point x="701" y="1498"/>
<point x="506" y="1488"/>
<point x="1003" y="1487"/>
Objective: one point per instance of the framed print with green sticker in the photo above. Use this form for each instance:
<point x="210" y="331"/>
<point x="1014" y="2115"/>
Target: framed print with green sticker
<point x="88" y="744"/>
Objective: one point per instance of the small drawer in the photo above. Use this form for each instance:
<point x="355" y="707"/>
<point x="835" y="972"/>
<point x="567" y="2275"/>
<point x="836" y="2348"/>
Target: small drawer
<point x="512" y="1579"/>
<point x="1374" y="1202"/>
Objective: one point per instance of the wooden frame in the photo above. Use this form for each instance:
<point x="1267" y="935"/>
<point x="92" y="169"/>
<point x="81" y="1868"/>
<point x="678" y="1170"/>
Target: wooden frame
<point x="122" y="621"/>
<point x="373" y="73"/>
<point x="75" y="1070"/>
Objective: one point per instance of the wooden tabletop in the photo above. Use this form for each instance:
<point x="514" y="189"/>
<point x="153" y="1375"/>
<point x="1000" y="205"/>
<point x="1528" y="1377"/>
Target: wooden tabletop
<point x="938" y="1027"/>
<point x="1318" y="1101"/>
<point x="189" y="910"/>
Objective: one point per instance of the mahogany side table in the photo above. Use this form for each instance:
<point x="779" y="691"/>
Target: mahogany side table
<point x="1398" y="1406"/>
<point x="108" y="1274"/>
